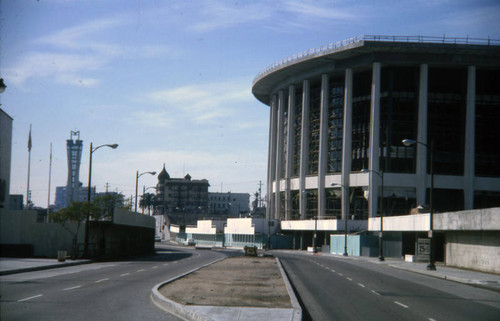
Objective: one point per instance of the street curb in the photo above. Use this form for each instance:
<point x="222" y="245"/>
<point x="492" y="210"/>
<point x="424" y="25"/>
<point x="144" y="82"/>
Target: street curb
<point x="189" y="314"/>
<point x="297" y="310"/>
<point x="488" y="285"/>
<point x="45" y="267"/>
<point x="176" y="308"/>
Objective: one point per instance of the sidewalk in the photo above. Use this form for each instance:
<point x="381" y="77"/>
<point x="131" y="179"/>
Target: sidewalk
<point x="21" y="265"/>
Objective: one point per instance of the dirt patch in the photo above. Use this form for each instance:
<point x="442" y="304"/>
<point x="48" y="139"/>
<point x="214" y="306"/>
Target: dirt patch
<point x="237" y="281"/>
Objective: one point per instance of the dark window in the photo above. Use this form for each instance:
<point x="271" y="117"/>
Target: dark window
<point x="487" y="120"/>
<point x="446" y="119"/>
<point x="314" y="123"/>
<point x="399" y="117"/>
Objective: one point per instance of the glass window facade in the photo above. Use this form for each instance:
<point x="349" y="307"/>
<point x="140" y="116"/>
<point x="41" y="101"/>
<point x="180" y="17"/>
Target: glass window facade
<point x="314" y="123"/>
<point x="446" y="119"/>
<point x="398" y="120"/>
<point x="335" y="126"/>
<point x="297" y="130"/>
<point x="361" y="120"/>
<point x="487" y="123"/>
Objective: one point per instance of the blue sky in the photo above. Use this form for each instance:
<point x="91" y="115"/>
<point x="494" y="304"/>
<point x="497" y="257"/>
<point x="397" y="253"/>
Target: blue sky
<point x="170" y="81"/>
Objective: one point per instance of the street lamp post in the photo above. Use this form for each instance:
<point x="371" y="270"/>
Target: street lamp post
<point x="380" y="234"/>
<point x="408" y="142"/>
<point x="137" y="175"/>
<point x="87" y="223"/>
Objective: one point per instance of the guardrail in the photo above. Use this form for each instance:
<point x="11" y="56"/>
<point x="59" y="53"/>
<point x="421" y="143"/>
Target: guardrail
<point x="339" y="45"/>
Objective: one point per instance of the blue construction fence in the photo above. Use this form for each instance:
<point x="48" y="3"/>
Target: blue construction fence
<point x="277" y="241"/>
<point x="366" y="244"/>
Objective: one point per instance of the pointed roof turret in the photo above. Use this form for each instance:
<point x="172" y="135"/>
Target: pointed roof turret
<point x="163" y="174"/>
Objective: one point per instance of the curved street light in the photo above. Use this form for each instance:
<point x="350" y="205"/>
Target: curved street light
<point x="409" y="142"/>
<point x="87" y="225"/>
<point x="380" y="235"/>
<point x="137" y="175"/>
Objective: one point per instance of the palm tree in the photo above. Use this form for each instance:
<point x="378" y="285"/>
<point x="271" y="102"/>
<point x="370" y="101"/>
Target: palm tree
<point x="148" y="201"/>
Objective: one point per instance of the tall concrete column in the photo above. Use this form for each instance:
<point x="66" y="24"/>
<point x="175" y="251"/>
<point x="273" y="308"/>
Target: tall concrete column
<point x="272" y="158"/>
<point x="347" y="142"/>
<point x="421" y="170"/>
<point x="323" y="145"/>
<point x="290" y="150"/>
<point x="374" y="140"/>
<point x="279" y="154"/>
<point x="470" y="138"/>
<point x="304" y="148"/>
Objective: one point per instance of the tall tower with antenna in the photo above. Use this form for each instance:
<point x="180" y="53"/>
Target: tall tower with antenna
<point x="74" y="149"/>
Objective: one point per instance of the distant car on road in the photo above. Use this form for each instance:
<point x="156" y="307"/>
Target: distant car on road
<point x="190" y="242"/>
<point x="157" y="238"/>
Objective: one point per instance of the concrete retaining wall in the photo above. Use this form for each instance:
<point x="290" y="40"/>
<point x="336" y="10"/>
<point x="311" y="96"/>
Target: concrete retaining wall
<point x="474" y="250"/>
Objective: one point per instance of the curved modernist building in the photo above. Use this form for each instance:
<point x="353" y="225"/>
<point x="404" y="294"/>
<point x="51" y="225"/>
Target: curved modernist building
<point x="338" y="115"/>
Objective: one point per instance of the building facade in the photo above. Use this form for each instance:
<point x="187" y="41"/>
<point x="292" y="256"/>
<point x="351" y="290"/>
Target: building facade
<point x="339" y="114"/>
<point x="183" y="199"/>
<point x="228" y="204"/>
<point x="5" y="157"/>
<point x="74" y="150"/>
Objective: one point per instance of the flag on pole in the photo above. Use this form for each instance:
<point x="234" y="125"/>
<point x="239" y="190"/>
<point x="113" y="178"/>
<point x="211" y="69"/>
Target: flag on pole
<point x="29" y="140"/>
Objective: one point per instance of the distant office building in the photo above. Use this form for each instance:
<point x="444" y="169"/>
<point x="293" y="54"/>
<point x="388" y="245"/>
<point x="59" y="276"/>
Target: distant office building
<point x="339" y="113"/>
<point x="74" y="151"/>
<point x="5" y="157"/>
<point x="81" y="196"/>
<point x="16" y="202"/>
<point x="228" y="204"/>
<point x="181" y="198"/>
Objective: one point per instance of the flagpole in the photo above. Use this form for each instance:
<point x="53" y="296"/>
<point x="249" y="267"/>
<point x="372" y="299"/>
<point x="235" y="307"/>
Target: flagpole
<point x="50" y="172"/>
<point x="29" y="167"/>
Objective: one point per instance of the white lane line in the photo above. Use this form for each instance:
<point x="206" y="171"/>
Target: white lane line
<point x="154" y="267"/>
<point x="72" y="288"/>
<point x="349" y="279"/>
<point x="141" y="270"/>
<point x="31" y="297"/>
<point x="431" y="319"/>
<point x="401" y="304"/>
<point x="102" y="280"/>
<point x="332" y="270"/>
<point x="340" y="274"/>
<point x="375" y="292"/>
<point x="165" y="264"/>
<point x="124" y="274"/>
<point x="361" y="285"/>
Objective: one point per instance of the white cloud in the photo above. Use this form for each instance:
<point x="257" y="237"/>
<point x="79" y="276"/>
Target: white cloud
<point x="63" y="68"/>
<point x="202" y="103"/>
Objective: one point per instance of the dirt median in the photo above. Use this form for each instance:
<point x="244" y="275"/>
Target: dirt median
<point x="236" y="281"/>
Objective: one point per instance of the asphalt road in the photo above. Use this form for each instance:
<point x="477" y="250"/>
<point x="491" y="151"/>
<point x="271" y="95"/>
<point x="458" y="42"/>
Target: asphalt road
<point x="98" y="291"/>
<point x="331" y="288"/>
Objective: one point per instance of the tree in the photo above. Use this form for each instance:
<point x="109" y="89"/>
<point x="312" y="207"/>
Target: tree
<point x="148" y="200"/>
<point x="76" y="213"/>
<point x="106" y="204"/>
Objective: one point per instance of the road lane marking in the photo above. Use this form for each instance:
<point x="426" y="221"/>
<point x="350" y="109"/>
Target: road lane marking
<point x="349" y="279"/>
<point x="102" y="280"/>
<point x="125" y="274"/>
<point x="401" y="304"/>
<point x="141" y="270"/>
<point x="375" y="292"/>
<point x="72" y="288"/>
<point x="30" y="298"/>
<point x="340" y="274"/>
<point x="361" y="285"/>
<point x="154" y="267"/>
<point x="165" y="264"/>
<point x="431" y="319"/>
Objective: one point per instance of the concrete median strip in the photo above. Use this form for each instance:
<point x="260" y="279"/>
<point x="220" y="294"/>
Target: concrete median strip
<point x="239" y="288"/>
